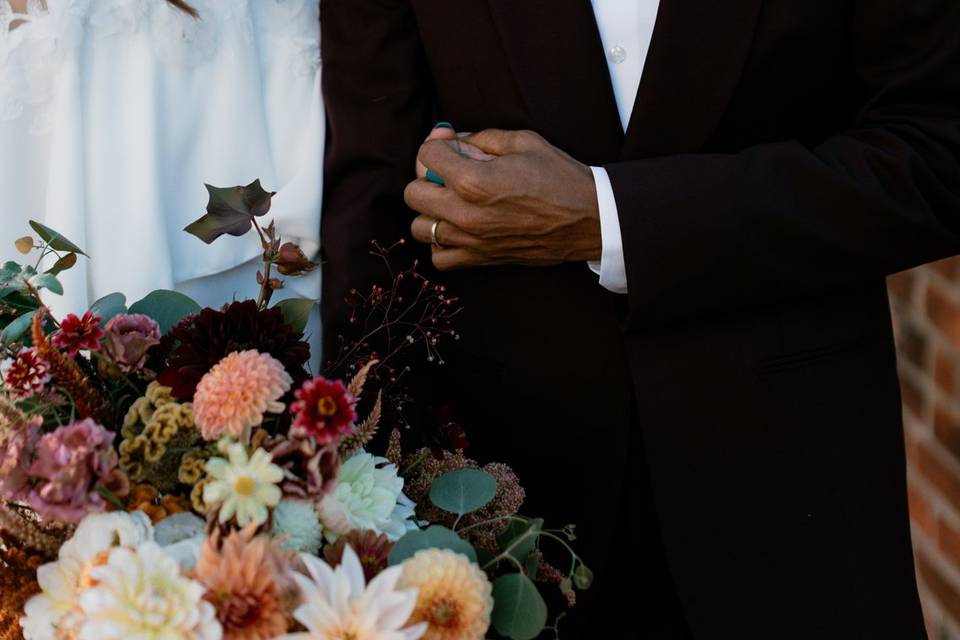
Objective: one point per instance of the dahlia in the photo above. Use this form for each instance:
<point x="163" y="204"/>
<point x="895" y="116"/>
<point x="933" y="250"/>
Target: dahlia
<point x="236" y="393"/>
<point x="242" y="486"/>
<point x="210" y="335"/>
<point x="454" y="599"/>
<point x="297" y="525"/>
<point x="140" y="593"/>
<point x="323" y="409"/>
<point x="245" y="581"/>
<point x="372" y="548"/>
<point x="128" y="338"/>
<point x="309" y="470"/>
<point x="339" y="604"/>
<point x="27" y="375"/>
<point x="369" y="495"/>
<point x="77" y="334"/>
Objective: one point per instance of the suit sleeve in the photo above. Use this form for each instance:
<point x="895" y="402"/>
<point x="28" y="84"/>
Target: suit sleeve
<point x="704" y="233"/>
<point x="378" y="97"/>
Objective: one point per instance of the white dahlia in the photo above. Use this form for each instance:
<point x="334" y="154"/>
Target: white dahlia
<point x="140" y="593"/>
<point x="338" y="604"/>
<point x="243" y="486"/>
<point x="55" y="609"/>
<point x="369" y="496"/>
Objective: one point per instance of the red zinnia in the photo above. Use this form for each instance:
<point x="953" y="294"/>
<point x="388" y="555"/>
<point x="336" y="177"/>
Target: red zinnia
<point x="323" y="409"/>
<point x="27" y="374"/>
<point x="78" y="334"/>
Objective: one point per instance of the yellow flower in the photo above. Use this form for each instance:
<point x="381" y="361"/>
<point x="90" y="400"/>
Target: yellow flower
<point x="455" y="598"/>
<point x="243" y="486"/>
<point x="233" y="396"/>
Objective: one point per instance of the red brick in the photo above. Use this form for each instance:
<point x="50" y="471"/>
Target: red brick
<point x="945" y="372"/>
<point x="946" y="426"/>
<point x="945" y="592"/>
<point x="922" y="514"/>
<point x="946" y="481"/>
<point x="901" y="285"/>
<point x="944" y="312"/>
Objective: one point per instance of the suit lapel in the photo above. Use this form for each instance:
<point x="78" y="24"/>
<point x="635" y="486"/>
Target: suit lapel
<point x="695" y="60"/>
<point x="556" y="55"/>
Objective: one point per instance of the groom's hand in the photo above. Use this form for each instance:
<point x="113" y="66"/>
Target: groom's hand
<point x="531" y="204"/>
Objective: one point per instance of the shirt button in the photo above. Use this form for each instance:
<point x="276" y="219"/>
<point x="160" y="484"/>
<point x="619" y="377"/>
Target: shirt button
<point x="617" y="54"/>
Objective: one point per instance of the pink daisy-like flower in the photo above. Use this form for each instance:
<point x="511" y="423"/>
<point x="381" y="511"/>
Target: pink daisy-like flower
<point x="323" y="409"/>
<point x="78" y="334"/>
<point x="28" y="374"/>
<point x="235" y="394"/>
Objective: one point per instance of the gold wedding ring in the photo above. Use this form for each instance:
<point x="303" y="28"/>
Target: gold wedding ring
<point x="433" y="234"/>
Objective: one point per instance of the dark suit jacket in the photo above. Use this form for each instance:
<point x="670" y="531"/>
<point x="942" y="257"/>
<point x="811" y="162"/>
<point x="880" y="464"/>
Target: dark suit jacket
<point x="783" y="157"/>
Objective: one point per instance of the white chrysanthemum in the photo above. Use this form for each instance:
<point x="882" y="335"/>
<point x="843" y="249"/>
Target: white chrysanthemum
<point x="140" y="593"/>
<point x="338" y="604"/>
<point x="241" y="486"/>
<point x="55" y="607"/>
<point x="297" y="522"/>
<point x="369" y="496"/>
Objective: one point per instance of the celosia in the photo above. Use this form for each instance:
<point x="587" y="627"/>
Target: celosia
<point x="323" y="409"/>
<point x="77" y="334"/>
<point x="70" y="466"/>
<point x="27" y="375"/>
<point x="237" y="392"/>
<point x="128" y="338"/>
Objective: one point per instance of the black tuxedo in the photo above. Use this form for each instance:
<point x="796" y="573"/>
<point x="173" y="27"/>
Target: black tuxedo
<point x="782" y="158"/>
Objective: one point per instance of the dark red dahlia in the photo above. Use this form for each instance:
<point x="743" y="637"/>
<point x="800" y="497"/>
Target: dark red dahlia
<point x="27" y="374"/>
<point x="323" y="409"/>
<point x="78" y="334"/>
<point x="211" y="335"/>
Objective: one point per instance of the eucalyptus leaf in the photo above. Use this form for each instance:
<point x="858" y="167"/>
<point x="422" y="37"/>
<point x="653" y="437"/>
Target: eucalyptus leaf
<point x="108" y="306"/>
<point x="520" y="537"/>
<point x="436" y="537"/>
<point x="230" y="210"/>
<point x="296" y="312"/>
<point x="166" y="307"/>
<point x="519" y="612"/>
<point x="15" y="330"/>
<point x="24" y="245"/>
<point x="463" y="491"/>
<point x="55" y="239"/>
<point x="11" y="277"/>
<point x="67" y="261"/>
<point x="47" y="281"/>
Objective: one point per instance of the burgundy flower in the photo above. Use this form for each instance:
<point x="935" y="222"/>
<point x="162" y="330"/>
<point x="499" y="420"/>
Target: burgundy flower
<point x="28" y="374"/>
<point x="291" y="260"/>
<point x="78" y="334"/>
<point x="310" y="471"/>
<point x="323" y="409"/>
<point x="128" y="338"/>
<point x="371" y="548"/>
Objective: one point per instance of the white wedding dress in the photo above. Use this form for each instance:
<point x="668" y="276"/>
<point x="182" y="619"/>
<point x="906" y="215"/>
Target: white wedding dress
<point x="113" y="115"/>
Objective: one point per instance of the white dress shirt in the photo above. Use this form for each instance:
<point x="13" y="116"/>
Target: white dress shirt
<point x="626" y="30"/>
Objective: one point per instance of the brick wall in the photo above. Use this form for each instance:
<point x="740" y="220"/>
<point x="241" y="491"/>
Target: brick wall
<point x="926" y="308"/>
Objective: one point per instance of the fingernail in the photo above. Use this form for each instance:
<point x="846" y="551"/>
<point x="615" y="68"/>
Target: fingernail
<point x="443" y="125"/>
<point x="434" y="178"/>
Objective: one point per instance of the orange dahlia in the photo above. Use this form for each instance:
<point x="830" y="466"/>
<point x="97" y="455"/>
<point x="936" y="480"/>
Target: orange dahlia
<point x="245" y="583"/>
<point x="454" y="598"/>
<point x="235" y="394"/>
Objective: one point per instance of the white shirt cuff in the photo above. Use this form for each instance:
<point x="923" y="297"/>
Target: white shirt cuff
<point x="611" y="267"/>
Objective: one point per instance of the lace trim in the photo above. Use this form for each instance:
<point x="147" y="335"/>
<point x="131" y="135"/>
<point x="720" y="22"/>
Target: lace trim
<point x="33" y="52"/>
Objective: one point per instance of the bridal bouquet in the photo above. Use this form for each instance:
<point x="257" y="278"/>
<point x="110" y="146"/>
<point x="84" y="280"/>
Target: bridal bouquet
<point x="168" y="471"/>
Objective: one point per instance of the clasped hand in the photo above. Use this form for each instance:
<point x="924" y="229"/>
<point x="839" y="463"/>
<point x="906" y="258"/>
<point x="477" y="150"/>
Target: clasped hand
<point x="509" y="198"/>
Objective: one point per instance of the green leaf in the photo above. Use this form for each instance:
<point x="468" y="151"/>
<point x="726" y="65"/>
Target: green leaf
<point x="54" y="239"/>
<point x="13" y="331"/>
<point x="166" y="307"/>
<point x="463" y="491"/>
<point x="519" y="611"/>
<point x="109" y="306"/>
<point x="522" y="536"/>
<point x="64" y="263"/>
<point x="11" y="278"/>
<point x="296" y="312"/>
<point x="436" y="537"/>
<point x="230" y="210"/>
<point x="47" y="281"/>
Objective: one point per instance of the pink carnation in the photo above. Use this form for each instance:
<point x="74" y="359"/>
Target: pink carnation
<point x="69" y="466"/>
<point x="16" y="453"/>
<point x="237" y="391"/>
